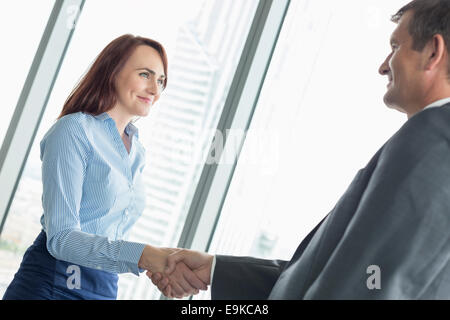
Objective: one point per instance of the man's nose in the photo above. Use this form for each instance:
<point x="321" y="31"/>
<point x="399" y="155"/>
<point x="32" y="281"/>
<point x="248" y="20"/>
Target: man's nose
<point x="384" y="68"/>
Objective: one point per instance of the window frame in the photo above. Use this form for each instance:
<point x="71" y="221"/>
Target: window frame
<point x="33" y="99"/>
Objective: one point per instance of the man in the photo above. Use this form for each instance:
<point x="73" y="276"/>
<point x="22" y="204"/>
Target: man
<point x="388" y="237"/>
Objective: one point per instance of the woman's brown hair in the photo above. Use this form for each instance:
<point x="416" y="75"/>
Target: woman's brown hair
<point x="96" y="92"/>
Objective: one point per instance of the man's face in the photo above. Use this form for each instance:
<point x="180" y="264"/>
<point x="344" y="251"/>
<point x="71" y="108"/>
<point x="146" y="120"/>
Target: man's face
<point x="403" y="67"/>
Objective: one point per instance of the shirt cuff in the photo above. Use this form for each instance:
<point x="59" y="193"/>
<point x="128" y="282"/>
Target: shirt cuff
<point x="213" y="267"/>
<point x="129" y="256"/>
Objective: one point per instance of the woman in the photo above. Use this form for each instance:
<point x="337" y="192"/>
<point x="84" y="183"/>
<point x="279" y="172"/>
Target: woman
<point x="92" y="164"/>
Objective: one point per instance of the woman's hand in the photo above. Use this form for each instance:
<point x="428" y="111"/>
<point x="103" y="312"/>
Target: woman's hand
<point x="184" y="282"/>
<point x="155" y="259"/>
<point x="199" y="263"/>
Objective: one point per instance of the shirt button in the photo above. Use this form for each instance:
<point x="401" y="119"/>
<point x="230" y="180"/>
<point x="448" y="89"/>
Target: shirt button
<point x="126" y="212"/>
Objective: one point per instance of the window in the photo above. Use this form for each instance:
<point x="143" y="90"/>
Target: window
<point x="21" y="26"/>
<point x="204" y="40"/>
<point x="320" y="117"/>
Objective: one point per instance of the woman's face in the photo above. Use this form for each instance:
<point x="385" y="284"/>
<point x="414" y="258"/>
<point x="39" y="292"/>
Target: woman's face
<point x="140" y="82"/>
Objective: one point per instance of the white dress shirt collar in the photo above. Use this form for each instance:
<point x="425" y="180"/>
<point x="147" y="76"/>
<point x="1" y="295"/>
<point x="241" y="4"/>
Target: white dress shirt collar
<point x="438" y="103"/>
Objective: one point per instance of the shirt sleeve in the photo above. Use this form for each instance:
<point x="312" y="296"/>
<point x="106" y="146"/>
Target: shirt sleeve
<point x="64" y="153"/>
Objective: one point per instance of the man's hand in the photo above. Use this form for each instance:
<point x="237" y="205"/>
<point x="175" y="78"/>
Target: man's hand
<point x="183" y="283"/>
<point x="169" y="282"/>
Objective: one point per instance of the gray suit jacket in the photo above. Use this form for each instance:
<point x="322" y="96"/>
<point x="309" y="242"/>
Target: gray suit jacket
<point x="394" y="215"/>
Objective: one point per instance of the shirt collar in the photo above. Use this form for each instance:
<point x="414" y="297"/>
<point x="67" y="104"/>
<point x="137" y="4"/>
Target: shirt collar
<point x="438" y="103"/>
<point x="103" y="116"/>
<point x="130" y="129"/>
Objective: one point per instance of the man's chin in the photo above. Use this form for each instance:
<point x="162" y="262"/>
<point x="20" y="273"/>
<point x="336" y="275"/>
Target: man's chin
<point x="389" y="101"/>
<point x="395" y="107"/>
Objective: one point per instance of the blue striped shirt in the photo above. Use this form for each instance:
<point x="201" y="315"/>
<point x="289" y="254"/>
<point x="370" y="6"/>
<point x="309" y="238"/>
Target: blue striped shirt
<point x="92" y="192"/>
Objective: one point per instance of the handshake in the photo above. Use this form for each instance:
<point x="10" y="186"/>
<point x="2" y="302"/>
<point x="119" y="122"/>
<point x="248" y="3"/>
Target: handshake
<point x="177" y="273"/>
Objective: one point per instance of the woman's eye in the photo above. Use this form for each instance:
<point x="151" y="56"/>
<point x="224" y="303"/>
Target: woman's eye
<point x="144" y="73"/>
<point x="161" y="82"/>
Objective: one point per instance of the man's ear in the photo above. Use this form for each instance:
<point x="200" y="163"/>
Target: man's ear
<point x="435" y="52"/>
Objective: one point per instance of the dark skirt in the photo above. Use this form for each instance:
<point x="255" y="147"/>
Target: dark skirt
<point x="42" y="277"/>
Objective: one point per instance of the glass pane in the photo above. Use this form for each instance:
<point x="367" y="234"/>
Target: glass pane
<point x="22" y="24"/>
<point x="319" y="119"/>
<point x="203" y="39"/>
